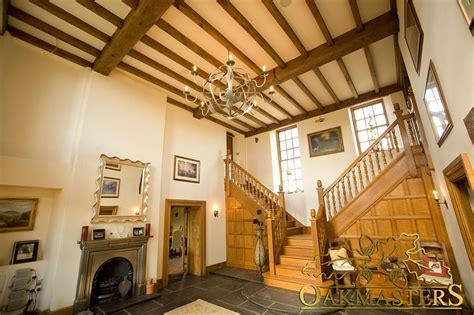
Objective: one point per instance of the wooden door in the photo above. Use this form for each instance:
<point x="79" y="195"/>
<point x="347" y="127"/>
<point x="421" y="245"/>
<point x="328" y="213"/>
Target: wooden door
<point x="195" y="241"/>
<point x="230" y="145"/>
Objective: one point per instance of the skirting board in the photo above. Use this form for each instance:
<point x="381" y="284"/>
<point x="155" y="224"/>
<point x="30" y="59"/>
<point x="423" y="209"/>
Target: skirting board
<point x="61" y="311"/>
<point x="216" y="266"/>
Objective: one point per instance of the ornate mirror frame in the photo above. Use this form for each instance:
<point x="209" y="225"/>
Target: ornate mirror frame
<point x="96" y="218"/>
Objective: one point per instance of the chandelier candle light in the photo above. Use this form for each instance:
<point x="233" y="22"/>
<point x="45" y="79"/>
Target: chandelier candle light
<point x="229" y="91"/>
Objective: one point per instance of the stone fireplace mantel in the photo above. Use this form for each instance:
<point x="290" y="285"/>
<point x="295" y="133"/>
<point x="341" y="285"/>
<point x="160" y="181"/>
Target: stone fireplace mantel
<point x="95" y="253"/>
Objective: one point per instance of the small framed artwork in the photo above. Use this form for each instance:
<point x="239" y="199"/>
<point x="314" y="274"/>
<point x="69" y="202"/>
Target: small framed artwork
<point x="467" y="10"/>
<point x="138" y="231"/>
<point x="469" y="123"/>
<point x="436" y="106"/>
<point x="25" y="251"/>
<point x="110" y="187"/>
<point x="187" y="170"/>
<point x="98" y="234"/>
<point x="17" y="214"/>
<point x="326" y="141"/>
<point x="113" y="166"/>
<point x="108" y="210"/>
<point x="413" y="34"/>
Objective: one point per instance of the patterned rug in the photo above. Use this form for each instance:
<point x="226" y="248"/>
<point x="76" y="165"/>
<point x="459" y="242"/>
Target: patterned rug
<point x="200" y="307"/>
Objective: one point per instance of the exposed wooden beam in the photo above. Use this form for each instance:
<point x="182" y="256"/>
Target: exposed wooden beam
<point x="306" y="91"/>
<point x="179" y="104"/>
<point x="328" y="87"/>
<point x="165" y="26"/>
<point x="48" y="47"/>
<point x="398" y="60"/>
<point x="136" y="24"/>
<point x="290" y="99"/>
<point x="393" y="7"/>
<point x="71" y="19"/>
<point x="374" y="30"/>
<point x="356" y="14"/>
<point x="347" y="76"/>
<point x="268" y="115"/>
<point x="330" y="108"/>
<point x="319" y="19"/>
<point x="272" y="8"/>
<point x="248" y="27"/>
<point x="37" y="23"/>
<point x="102" y="12"/>
<point x="5" y="5"/>
<point x="373" y="74"/>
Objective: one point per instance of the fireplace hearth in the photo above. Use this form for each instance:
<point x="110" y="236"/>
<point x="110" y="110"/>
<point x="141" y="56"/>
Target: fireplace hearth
<point x="104" y="265"/>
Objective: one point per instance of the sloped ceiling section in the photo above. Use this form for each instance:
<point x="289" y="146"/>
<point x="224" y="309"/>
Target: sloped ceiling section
<point x="323" y="55"/>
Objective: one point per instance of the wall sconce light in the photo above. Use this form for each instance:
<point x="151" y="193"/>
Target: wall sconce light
<point x="256" y="140"/>
<point x="320" y="119"/>
<point x="216" y="213"/>
<point x="439" y="200"/>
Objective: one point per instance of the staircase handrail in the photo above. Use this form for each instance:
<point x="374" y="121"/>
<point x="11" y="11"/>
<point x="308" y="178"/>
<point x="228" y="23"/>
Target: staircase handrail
<point x="276" y="234"/>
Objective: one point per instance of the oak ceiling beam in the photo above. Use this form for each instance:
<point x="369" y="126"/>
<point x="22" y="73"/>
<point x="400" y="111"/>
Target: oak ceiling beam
<point x="325" y="83"/>
<point x="280" y="19"/>
<point x="248" y="27"/>
<point x="5" y="5"/>
<point x="48" y="47"/>
<point x="51" y="30"/>
<point x="136" y="24"/>
<point x="393" y="7"/>
<point x="374" y="30"/>
<point x="330" y="108"/>
<point x="306" y="91"/>
<point x="319" y="19"/>
<point x="347" y="76"/>
<point x="290" y="99"/>
<point x="71" y="19"/>
<point x="398" y="60"/>
<point x="356" y="14"/>
<point x="102" y="12"/>
<point x="373" y="74"/>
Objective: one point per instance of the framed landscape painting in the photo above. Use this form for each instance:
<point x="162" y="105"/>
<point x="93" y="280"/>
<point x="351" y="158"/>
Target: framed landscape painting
<point x="25" y="251"/>
<point x="326" y="141"/>
<point x="17" y="214"/>
<point x="187" y="170"/>
<point x="110" y="187"/>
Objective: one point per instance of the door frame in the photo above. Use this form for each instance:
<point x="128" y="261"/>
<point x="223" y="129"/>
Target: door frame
<point x="182" y="203"/>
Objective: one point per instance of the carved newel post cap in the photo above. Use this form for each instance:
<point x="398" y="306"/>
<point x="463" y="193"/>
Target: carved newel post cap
<point x="319" y="184"/>
<point x="269" y="214"/>
<point x="313" y="214"/>
<point x="396" y="106"/>
<point x="280" y="188"/>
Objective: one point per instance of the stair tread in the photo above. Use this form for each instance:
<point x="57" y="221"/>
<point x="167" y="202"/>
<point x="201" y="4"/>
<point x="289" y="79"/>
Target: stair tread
<point x="293" y="267"/>
<point x="296" y="280"/>
<point x="299" y="246"/>
<point x="296" y="256"/>
<point x="300" y="236"/>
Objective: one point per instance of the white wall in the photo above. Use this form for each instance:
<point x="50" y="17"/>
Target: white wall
<point x="56" y="119"/>
<point x="450" y="45"/>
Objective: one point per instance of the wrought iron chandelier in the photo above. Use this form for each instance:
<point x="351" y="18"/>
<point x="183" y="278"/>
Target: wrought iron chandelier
<point x="229" y="91"/>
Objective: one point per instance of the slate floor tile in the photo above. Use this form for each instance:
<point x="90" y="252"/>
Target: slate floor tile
<point x="234" y="298"/>
<point x="143" y="307"/>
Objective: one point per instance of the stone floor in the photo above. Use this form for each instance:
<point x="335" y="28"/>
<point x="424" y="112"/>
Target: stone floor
<point x="245" y="295"/>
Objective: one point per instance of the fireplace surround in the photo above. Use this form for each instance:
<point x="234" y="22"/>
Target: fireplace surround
<point x="129" y="253"/>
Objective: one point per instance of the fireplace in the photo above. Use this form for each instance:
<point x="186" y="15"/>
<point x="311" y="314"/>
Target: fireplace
<point x="104" y="264"/>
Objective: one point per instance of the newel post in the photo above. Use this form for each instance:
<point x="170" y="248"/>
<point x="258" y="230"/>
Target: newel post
<point x="406" y="140"/>
<point x="281" y="196"/>
<point x="271" y="254"/>
<point x="320" y="191"/>
<point x="315" y="236"/>
<point x="227" y="162"/>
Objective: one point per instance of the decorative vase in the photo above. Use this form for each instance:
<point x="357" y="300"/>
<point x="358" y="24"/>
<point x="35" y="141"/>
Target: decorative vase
<point x="150" y="286"/>
<point x="84" y="233"/>
<point x="260" y="257"/>
<point x="124" y="286"/>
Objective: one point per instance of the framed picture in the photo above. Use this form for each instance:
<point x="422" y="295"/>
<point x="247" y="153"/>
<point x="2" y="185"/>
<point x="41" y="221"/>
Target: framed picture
<point x="138" y="231"/>
<point x="413" y="34"/>
<point x="25" y="251"/>
<point x="467" y="10"/>
<point x="98" y="234"/>
<point x="436" y="106"/>
<point x="113" y="166"/>
<point x="17" y="214"/>
<point x="110" y="187"/>
<point x="324" y="142"/>
<point x="187" y="170"/>
<point x="108" y="210"/>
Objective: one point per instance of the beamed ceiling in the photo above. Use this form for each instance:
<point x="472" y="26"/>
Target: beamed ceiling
<point x="323" y="55"/>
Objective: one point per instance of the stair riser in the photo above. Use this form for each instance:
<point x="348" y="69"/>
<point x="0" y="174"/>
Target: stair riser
<point x="290" y="224"/>
<point x="296" y="251"/>
<point x="279" y="283"/>
<point x="292" y="273"/>
<point x="294" y="231"/>
<point x="300" y="242"/>
<point x="294" y="261"/>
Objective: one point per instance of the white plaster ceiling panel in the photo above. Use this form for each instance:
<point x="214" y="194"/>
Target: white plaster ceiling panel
<point x="262" y="20"/>
<point x="263" y="118"/>
<point x="116" y="7"/>
<point x="383" y="55"/>
<point x="213" y="13"/>
<point x="166" y="40"/>
<point x="298" y="15"/>
<point x="291" y="88"/>
<point x="230" y="122"/>
<point x="338" y="16"/>
<point x="370" y="9"/>
<point x="289" y="107"/>
<point x="58" y="23"/>
<point x="48" y="38"/>
<point x="336" y="80"/>
<point x="86" y="15"/>
<point x="316" y="87"/>
<point x="358" y="68"/>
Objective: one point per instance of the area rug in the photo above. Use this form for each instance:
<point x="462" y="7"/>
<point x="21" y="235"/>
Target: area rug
<point x="200" y="307"/>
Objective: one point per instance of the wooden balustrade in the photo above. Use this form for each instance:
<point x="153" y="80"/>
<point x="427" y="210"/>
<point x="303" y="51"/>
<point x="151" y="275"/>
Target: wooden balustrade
<point x="398" y="138"/>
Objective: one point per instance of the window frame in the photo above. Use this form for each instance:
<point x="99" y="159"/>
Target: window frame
<point x="354" y="121"/>
<point x="279" y="155"/>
